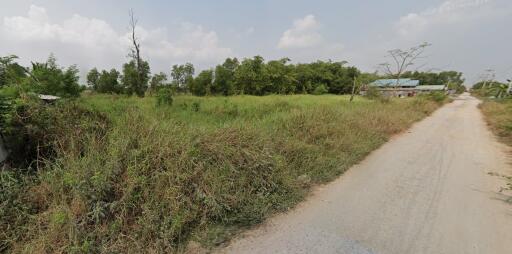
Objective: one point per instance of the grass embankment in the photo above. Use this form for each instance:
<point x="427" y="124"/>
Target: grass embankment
<point x="498" y="115"/>
<point x="199" y="170"/>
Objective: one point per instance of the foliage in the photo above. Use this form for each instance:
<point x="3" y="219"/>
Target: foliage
<point x="36" y="129"/>
<point x="133" y="81"/>
<point x="172" y="176"/>
<point x="224" y="82"/>
<point x="319" y="90"/>
<point x="182" y="76"/>
<point x="158" y="81"/>
<point x="491" y="89"/>
<point x="202" y="84"/>
<point x="49" y="78"/>
<point x="164" y="96"/>
<point x="439" y="97"/>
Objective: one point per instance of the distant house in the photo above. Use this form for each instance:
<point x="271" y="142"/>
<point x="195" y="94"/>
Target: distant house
<point x="402" y="87"/>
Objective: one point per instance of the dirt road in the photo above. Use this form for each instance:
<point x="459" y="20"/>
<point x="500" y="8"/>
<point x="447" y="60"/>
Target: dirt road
<point x="426" y="191"/>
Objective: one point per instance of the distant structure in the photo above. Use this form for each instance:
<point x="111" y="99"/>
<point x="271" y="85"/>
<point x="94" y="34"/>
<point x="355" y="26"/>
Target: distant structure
<point x="48" y="98"/>
<point x="403" y="88"/>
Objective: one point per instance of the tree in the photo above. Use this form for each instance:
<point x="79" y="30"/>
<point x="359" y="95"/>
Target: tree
<point x="281" y="77"/>
<point x="92" y="78"/>
<point x="108" y="82"/>
<point x="252" y="76"/>
<point x="49" y="78"/>
<point x="157" y="81"/>
<point x="224" y="82"/>
<point x="202" y="83"/>
<point x="135" y="80"/>
<point x="137" y="68"/>
<point x="402" y="60"/>
<point x="182" y="76"/>
<point x="10" y="71"/>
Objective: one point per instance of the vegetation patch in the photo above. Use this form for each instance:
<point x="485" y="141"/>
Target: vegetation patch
<point x="127" y="174"/>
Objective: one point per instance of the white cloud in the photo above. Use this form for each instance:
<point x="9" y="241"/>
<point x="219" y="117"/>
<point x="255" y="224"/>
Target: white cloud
<point x="447" y="13"/>
<point x="303" y="34"/>
<point x="93" y="42"/>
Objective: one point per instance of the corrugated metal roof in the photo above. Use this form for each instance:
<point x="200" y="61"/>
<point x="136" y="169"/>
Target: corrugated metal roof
<point x="48" y="97"/>
<point x="392" y="82"/>
<point x="431" y="88"/>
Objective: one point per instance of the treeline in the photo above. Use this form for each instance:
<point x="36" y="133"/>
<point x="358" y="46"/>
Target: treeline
<point x="255" y="76"/>
<point x="252" y="76"/>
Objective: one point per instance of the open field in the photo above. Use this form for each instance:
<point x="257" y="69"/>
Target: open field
<point x="153" y="177"/>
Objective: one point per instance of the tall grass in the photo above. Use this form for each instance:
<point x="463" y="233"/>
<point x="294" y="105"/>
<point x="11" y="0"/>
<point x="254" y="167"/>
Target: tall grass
<point x="498" y="114"/>
<point x="200" y="170"/>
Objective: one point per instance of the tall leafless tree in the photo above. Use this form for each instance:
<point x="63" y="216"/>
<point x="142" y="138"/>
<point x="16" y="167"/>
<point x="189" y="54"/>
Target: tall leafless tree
<point x="402" y="60"/>
<point x="135" y="49"/>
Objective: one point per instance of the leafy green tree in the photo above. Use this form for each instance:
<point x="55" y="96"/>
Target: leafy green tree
<point x="157" y="81"/>
<point x="10" y="71"/>
<point x="202" y="83"/>
<point x="49" y="78"/>
<point x="92" y="78"/>
<point x="108" y="82"/>
<point x="252" y="76"/>
<point x="182" y="76"/>
<point x="135" y="80"/>
<point x="224" y="82"/>
<point x="281" y="77"/>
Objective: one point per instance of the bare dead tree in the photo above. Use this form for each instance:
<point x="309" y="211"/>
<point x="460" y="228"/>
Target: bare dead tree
<point x="135" y="49"/>
<point x="402" y="60"/>
<point x="356" y="88"/>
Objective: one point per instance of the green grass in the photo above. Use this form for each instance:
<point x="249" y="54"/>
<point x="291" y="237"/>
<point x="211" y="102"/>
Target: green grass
<point x="201" y="169"/>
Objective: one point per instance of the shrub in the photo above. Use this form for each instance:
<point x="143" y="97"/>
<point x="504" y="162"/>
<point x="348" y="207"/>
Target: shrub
<point x="39" y="130"/>
<point x="438" y="97"/>
<point x="319" y="90"/>
<point x="196" y="106"/>
<point x="164" y="97"/>
<point x="373" y="93"/>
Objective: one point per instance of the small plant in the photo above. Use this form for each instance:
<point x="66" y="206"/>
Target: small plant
<point x="196" y="106"/>
<point x="164" y="97"/>
<point x="319" y="90"/>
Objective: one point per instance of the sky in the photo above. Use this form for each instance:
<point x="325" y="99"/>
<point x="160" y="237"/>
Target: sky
<point x="470" y="36"/>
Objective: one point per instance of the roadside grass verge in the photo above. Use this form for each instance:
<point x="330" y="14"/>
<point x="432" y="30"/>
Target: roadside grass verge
<point x="498" y="114"/>
<point x="201" y="169"/>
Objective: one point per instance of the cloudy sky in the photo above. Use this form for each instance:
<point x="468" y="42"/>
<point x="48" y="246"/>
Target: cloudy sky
<point x="466" y="35"/>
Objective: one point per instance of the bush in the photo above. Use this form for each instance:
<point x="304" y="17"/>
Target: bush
<point x="438" y="97"/>
<point x="164" y="97"/>
<point x="196" y="106"/>
<point x="373" y="93"/>
<point x="319" y="90"/>
<point x="38" y="130"/>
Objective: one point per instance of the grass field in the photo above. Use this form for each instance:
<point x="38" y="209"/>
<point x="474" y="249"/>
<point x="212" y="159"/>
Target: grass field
<point x="201" y="169"/>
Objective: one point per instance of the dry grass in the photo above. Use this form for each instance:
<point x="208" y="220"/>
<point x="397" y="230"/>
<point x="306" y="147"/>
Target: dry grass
<point x="200" y="170"/>
<point x="498" y="115"/>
